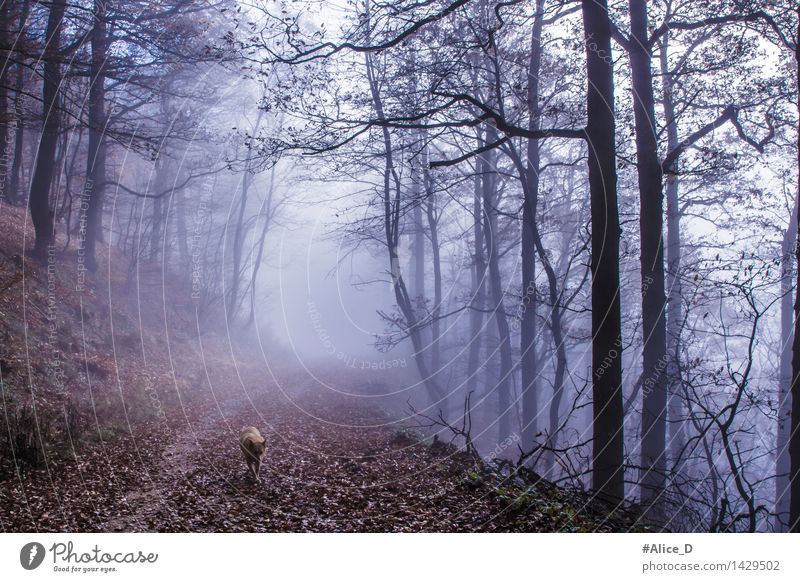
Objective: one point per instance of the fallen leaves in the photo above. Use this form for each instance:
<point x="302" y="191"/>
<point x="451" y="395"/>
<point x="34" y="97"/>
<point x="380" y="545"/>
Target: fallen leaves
<point x="187" y="474"/>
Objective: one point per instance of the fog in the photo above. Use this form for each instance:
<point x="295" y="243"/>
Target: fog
<point x="512" y="233"/>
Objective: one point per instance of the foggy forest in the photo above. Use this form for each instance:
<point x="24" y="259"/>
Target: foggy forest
<point x="399" y="266"/>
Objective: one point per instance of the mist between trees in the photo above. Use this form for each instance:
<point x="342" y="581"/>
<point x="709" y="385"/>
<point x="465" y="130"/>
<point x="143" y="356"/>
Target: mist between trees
<point x="573" y="224"/>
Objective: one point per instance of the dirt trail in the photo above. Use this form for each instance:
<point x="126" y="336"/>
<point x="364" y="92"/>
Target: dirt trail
<point x="333" y="463"/>
<point x="328" y="467"/>
<point x="176" y="461"/>
<point x="322" y="472"/>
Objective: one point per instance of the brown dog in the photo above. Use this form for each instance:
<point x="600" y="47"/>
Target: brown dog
<point x="253" y="447"/>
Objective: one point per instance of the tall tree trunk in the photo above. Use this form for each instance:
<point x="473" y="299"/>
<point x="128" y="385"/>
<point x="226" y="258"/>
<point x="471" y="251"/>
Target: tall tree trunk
<point x="490" y="202"/>
<point x="530" y="185"/>
<point x="158" y="229"/>
<point x="43" y="168"/>
<point x="528" y="332"/>
<point x="794" y="440"/>
<point x="7" y="122"/>
<point x="181" y="228"/>
<point x="96" y="154"/>
<point x="418" y="250"/>
<point x="14" y="190"/>
<point x="478" y="301"/>
<point x="557" y="333"/>
<point x="266" y="212"/>
<point x="782" y="461"/>
<point x="238" y="243"/>
<point x="238" y="235"/>
<point x="654" y="389"/>
<point x="15" y="194"/>
<point x="433" y="229"/>
<point x="676" y="415"/>
<point x="608" y="445"/>
<point x="392" y="192"/>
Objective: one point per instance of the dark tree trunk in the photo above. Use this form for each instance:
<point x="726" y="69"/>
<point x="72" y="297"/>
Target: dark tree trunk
<point x="96" y="154"/>
<point x="43" y="167"/>
<point x="557" y="332"/>
<point x="676" y="415"/>
<point x="14" y="190"/>
<point x="418" y="251"/>
<point x="7" y="122"/>
<point x="433" y="229"/>
<point x="782" y="461"/>
<point x="654" y="389"/>
<point x="503" y="383"/>
<point x="794" y="441"/>
<point x="15" y="194"/>
<point x="528" y="332"/>
<point x="157" y="230"/>
<point x="608" y="449"/>
<point x="478" y="301"/>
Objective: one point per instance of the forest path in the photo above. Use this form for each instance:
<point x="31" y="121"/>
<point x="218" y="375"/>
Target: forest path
<point x="334" y="462"/>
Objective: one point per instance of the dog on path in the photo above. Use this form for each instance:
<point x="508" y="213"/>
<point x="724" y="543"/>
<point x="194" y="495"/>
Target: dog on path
<point x="253" y="446"/>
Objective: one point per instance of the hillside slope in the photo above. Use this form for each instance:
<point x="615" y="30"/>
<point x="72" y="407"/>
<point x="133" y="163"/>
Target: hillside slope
<point x="87" y="356"/>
